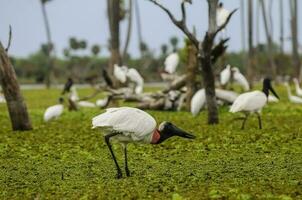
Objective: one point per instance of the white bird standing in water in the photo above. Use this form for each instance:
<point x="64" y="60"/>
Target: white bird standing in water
<point x="198" y="101"/>
<point x="297" y="86"/>
<point x="225" y="75"/>
<point x="54" y="112"/>
<point x="240" y="79"/>
<point x="253" y="102"/>
<point x="292" y="98"/>
<point x="131" y="125"/>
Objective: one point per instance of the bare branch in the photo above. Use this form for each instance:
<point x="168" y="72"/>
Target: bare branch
<point x="179" y="23"/>
<point x="218" y="50"/>
<point x="9" y="38"/>
<point x="183" y="12"/>
<point x="225" y="23"/>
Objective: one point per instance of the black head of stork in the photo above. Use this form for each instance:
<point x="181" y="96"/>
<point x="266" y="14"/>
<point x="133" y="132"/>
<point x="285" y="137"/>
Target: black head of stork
<point x="167" y="130"/>
<point x="267" y="86"/>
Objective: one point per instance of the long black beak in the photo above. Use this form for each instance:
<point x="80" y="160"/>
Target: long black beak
<point x="177" y="131"/>
<point x="273" y="91"/>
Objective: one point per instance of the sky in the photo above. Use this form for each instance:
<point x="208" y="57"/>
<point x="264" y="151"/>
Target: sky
<point x="87" y="19"/>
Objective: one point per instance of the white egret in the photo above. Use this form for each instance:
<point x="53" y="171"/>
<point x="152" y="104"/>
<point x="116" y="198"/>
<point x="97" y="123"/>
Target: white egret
<point x="225" y="75"/>
<point x="135" y="77"/>
<point x="171" y="63"/>
<point x="253" y="102"/>
<point x="119" y="73"/>
<point x="240" y="79"/>
<point x="292" y="98"/>
<point x="297" y="86"/>
<point x="198" y="101"/>
<point x="131" y="125"/>
<point x="74" y="94"/>
<point x="54" y="112"/>
<point x="221" y="15"/>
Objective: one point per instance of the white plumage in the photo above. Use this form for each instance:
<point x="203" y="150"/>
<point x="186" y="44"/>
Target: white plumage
<point x="171" y="63"/>
<point x="74" y="94"/>
<point x="221" y="15"/>
<point x="225" y="75"/>
<point x="53" y="112"/>
<point x="198" y="101"/>
<point x="134" y="124"/>
<point x="297" y="86"/>
<point x="226" y="95"/>
<point x="86" y="104"/>
<point x="240" y="79"/>
<point x="292" y="98"/>
<point x="134" y="76"/>
<point x="249" y="102"/>
<point x="119" y="73"/>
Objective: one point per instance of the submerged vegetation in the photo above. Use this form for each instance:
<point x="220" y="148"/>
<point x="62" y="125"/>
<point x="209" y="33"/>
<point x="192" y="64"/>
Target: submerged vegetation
<point x="67" y="159"/>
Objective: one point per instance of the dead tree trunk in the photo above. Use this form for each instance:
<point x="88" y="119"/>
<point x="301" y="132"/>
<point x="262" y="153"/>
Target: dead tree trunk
<point x="114" y="18"/>
<point x="129" y="28"/>
<point x="250" y="43"/>
<point x="208" y="53"/>
<point x="15" y="102"/>
<point x="281" y="26"/>
<point x="268" y="34"/>
<point x="49" y="45"/>
<point x="191" y="73"/>
<point x="294" y="32"/>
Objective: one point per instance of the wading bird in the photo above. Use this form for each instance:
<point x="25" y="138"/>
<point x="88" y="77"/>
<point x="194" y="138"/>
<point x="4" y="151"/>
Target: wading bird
<point x="119" y="73"/>
<point x="67" y="86"/>
<point x="221" y="16"/>
<point x="225" y="75"/>
<point x="131" y="125"/>
<point x="240" y="79"/>
<point x="171" y="63"/>
<point x="253" y="102"/>
<point x="54" y="112"/>
<point x="135" y="77"/>
<point x="198" y="101"/>
<point x="297" y="86"/>
<point x="292" y="98"/>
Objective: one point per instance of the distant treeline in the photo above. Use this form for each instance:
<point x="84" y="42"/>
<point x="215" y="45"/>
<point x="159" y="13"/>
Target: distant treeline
<point x="82" y="68"/>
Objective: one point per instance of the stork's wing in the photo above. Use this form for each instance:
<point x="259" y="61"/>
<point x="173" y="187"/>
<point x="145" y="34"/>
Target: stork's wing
<point x="129" y="121"/>
<point x="135" y="76"/>
<point x="249" y="101"/>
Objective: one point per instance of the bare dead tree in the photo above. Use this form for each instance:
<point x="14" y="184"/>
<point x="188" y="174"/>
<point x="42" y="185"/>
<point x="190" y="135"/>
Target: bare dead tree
<point x="295" y="41"/>
<point x="139" y="26"/>
<point x="49" y="44"/>
<point x="250" y="65"/>
<point x="114" y="17"/>
<point x="208" y="52"/>
<point x="129" y="28"/>
<point x="281" y="26"/>
<point x="15" y="103"/>
<point x="268" y="33"/>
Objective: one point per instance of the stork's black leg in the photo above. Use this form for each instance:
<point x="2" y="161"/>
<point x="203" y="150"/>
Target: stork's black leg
<point x="244" y="120"/>
<point x="107" y="139"/>
<point x="259" y="120"/>
<point x="126" y="161"/>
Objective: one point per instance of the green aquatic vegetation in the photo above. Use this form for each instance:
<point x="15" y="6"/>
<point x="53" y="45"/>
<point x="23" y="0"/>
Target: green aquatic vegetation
<point x="66" y="159"/>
